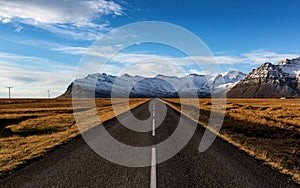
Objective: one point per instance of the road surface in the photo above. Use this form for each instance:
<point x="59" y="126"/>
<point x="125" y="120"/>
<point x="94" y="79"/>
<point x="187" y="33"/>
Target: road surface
<point x="76" y="165"/>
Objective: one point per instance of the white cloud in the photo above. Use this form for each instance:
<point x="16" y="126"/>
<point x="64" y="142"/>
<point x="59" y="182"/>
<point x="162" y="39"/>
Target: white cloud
<point x="59" y="11"/>
<point x="138" y="61"/>
<point x="5" y="20"/>
<point x="76" y="18"/>
<point x="252" y="58"/>
<point x="255" y="57"/>
<point x="151" y="68"/>
<point x="151" y="64"/>
<point x="33" y="76"/>
<point x="74" y="50"/>
<point x="261" y="56"/>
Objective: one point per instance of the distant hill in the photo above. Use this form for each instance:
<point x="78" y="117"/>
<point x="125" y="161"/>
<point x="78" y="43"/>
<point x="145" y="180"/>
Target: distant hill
<point x="159" y="86"/>
<point x="268" y="80"/>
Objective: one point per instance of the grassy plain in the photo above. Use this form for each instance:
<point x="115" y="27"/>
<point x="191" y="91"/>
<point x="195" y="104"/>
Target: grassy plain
<point x="29" y="128"/>
<point x="268" y="129"/>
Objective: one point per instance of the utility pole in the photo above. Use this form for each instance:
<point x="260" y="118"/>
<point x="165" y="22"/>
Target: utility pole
<point x="9" y="94"/>
<point x="49" y="94"/>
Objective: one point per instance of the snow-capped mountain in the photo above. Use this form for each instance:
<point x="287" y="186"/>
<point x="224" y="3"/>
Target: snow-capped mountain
<point x="269" y="80"/>
<point x="228" y="80"/>
<point x="103" y="85"/>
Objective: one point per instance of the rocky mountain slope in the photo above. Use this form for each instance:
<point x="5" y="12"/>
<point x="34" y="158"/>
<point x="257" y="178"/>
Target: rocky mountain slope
<point x="101" y="85"/>
<point x="269" y="80"/>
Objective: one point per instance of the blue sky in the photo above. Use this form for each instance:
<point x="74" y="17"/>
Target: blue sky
<point x="42" y="42"/>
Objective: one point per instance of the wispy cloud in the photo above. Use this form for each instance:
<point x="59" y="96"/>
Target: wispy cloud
<point x="77" y="19"/>
<point x="260" y="56"/>
<point x="254" y="57"/>
<point x="33" y="76"/>
<point x="120" y="60"/>
<point x="73" y="50"/>
<point x="151" y="64"/>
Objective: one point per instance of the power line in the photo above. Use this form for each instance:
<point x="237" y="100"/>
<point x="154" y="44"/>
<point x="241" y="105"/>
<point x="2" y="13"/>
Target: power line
<point x="9" y="94"/>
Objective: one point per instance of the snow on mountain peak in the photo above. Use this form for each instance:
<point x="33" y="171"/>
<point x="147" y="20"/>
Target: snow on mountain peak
<point x="159" y="86"/>
<point x="269" y="80"/>
<point x="290" y="67"/>
<point x="233" y="76"/>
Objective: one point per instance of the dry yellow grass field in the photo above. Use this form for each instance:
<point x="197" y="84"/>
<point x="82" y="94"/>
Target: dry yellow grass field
<point x="29" y="128"/>
<point x="268" y="129"/>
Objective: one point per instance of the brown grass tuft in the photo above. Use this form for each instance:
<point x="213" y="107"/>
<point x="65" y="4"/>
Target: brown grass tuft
<point x="268" y="129"/>
<point x="29" y="128"/>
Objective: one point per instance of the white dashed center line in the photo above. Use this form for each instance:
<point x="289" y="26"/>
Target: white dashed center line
<point x="153" y="169"/>
<point x="153" y="127"/>
<point x="153" y="121"/>
<point x="153" y="155"/>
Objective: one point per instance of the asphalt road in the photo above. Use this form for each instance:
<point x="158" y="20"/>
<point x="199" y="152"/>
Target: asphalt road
<point x="77" y="165"/>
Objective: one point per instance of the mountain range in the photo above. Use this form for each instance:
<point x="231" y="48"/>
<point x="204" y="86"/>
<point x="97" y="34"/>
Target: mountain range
<point x="268" y="80"/>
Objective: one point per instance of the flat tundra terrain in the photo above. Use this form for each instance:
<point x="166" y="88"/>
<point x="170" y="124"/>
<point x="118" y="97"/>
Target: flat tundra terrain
<point x="268" y="129"/>
<point x="29" y="128"/>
